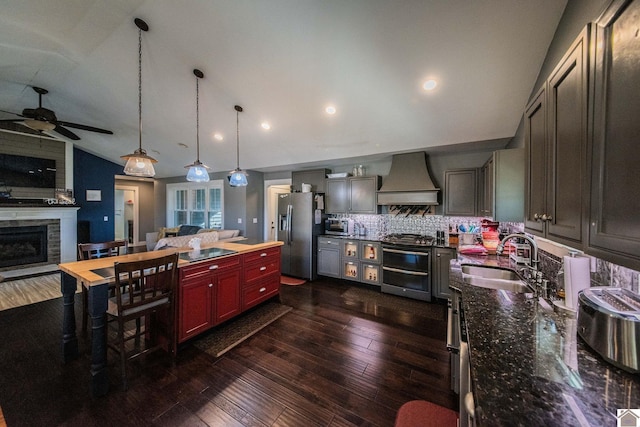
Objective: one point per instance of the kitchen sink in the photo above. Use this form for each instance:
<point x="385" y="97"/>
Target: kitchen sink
<point x="494" y="278"/>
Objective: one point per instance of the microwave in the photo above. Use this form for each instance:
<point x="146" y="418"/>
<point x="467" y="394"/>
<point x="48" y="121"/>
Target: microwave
<point x="338" y="226"/>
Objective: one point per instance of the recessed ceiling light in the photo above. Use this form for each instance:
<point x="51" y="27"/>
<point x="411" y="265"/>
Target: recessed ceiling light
<point x="265" y="125"/>
<point x="218" y="136"/>
<point x="330" y="109"/>
<point x="430" y="85"/>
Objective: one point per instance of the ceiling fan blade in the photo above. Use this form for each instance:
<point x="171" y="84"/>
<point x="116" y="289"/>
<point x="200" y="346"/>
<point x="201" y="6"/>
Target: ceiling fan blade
<point x="66" y="132"/>
<point x="11" y="112"/>
<point x="84" y="127"/>
<point x="10" y="120"/>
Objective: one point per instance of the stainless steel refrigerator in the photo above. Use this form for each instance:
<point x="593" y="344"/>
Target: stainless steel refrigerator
<point x="299" y="222"/>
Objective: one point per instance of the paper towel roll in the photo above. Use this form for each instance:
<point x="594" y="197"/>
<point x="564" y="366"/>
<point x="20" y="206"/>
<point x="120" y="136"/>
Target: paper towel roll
<point x="577" y="276"/>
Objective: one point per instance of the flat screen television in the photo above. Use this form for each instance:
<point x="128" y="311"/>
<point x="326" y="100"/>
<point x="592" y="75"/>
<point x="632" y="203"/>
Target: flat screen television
<point x="23" y="171"/>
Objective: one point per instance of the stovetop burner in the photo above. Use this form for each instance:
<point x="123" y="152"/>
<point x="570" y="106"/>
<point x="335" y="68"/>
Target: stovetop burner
<point x="408" y="239"/>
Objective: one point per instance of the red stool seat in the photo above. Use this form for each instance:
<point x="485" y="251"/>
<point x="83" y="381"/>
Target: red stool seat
<point x="420" y="413"/>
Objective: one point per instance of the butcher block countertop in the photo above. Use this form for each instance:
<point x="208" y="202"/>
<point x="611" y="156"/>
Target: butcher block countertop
<point x="85" y="271"/>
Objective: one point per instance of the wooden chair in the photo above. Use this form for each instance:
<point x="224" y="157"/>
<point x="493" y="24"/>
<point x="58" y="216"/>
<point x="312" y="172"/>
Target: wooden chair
<point x="92" y="251"/>
<point x="143" y="290"/>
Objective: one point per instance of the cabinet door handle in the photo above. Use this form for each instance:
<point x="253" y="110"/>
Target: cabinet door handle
<point x="263" y="268"/>
<point x="263" y="254"/>
<point x="536" y="216"/>
<point x="211" y="285"/>
<point x="213" y="267"/>
<point x="546" y="217"/>
<point x="262" y="289"/>
<point x="438" y="255"/>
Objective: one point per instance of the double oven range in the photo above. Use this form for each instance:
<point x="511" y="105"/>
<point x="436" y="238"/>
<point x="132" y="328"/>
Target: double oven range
<point x="406" y="265"/>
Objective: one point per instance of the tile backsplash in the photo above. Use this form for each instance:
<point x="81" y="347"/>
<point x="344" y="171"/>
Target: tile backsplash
<point x="603" y="273"/>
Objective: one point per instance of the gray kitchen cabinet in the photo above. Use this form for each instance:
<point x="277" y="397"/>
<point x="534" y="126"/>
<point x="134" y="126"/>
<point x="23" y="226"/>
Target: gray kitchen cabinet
<point x="315" y="177"/>
<point x="507" y="185"/>
<point x="461" y="192"/>
<point x="442" y="258"/>
<point x="614" y="224"/>
<point x="351" y="269"/>
<point x="362" y="191"/>
<point x="329" y="257"/>
<point x="556" y="147"/>
<point x="336" y="200"/>
<point x="352" y="195"/>
<point x="370" y="257"/>
<point x="485" y="195"/>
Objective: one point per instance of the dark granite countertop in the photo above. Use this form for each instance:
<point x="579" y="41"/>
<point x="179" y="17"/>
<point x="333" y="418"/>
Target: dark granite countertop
<point x="528" y="365"/>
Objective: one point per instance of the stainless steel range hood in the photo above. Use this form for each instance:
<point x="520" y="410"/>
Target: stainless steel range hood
<point x="408" y="182"/>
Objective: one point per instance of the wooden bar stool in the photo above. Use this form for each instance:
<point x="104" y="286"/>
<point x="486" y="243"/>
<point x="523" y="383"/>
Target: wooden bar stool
<point x="93" y="251"/>
<point x="421" y="413"/>
<point x="144" y="290"/>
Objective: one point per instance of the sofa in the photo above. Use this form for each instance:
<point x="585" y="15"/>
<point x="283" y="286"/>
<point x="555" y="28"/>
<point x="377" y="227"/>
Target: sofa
<point x="179" y="237"/>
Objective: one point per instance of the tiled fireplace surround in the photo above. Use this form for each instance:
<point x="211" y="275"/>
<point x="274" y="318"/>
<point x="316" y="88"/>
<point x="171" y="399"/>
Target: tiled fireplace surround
<point x="61" y="225"/>
<point x="603" y="273"/>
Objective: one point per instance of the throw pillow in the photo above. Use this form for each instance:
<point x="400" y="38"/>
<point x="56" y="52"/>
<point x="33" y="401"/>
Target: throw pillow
<point x="167" y="230"/>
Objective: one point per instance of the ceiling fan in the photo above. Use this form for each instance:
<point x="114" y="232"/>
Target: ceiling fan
<point x="43" y="120"/>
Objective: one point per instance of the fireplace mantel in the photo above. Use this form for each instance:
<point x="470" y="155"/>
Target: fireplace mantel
<point x="67" y="215"/>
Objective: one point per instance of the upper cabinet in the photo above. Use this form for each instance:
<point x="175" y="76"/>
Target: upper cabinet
<point x="314" y="177"/>
<point x="352" y="195"/>
<point x="614" y="226"/>
<point x="460" y="192"/>
<point x="501" y="194"/>
<point x="556" y="146"/>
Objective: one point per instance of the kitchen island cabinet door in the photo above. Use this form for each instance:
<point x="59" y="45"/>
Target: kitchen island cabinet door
<point x="195" y="306"/>
<point x="614" y="225"/>
<point x="228" y="294"/>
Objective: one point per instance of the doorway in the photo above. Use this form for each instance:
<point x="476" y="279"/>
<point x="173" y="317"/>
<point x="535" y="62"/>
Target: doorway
<point x="272" y="189"/>
<point x="126" y="214"/>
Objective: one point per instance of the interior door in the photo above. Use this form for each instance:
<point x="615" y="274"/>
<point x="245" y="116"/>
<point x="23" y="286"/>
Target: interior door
<point x="126" y="223"/>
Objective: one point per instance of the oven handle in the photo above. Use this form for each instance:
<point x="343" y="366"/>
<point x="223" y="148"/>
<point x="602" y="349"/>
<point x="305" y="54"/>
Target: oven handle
<point x="399" y="251"/>
<point x="413" y="273"/>
<point x="450" y="326"/>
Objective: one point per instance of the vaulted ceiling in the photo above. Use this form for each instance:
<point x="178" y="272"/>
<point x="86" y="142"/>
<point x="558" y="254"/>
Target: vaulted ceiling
<point x="284" y="62"/>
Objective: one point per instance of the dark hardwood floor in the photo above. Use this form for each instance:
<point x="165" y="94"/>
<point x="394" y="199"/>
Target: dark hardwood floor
<point x="335" y="360"/>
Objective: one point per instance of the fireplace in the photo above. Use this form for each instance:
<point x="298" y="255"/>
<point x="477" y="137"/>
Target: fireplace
<point x="23" y="245"/>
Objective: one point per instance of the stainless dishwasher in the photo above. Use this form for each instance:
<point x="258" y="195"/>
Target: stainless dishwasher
<point x="458" y="346"/>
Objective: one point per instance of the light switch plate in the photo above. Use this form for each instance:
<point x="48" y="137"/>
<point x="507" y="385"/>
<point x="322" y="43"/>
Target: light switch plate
<point x="106" y="218"/>
<point x="239" y="220"/>
<point x="255" y="220"/>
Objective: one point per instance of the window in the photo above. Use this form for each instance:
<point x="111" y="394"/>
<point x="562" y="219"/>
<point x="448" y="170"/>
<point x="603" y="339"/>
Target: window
<point x="195" y="204"/>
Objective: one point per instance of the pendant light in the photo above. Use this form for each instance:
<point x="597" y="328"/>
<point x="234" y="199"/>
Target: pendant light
<point x="237" y="177"/>
<point x="139" y="163"/>
<point x="198" y="172"/>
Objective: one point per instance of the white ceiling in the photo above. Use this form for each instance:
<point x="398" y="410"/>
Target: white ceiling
<point x="282" y="61"/>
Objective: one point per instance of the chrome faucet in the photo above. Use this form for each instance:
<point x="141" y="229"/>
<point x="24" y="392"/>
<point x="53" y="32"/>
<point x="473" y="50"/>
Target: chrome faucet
<point x="533" y="256"/>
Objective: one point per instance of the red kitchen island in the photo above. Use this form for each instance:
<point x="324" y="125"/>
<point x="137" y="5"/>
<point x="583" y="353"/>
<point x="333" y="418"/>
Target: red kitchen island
<point x="216" y="283"/>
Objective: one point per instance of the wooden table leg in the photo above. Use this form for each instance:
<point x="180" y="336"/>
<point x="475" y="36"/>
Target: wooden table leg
<point x="68" y="286"/>
<point x="98" y="296"/>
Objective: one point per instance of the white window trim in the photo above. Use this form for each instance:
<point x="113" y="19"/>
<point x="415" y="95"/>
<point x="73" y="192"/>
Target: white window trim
<point x="172" y="188"/>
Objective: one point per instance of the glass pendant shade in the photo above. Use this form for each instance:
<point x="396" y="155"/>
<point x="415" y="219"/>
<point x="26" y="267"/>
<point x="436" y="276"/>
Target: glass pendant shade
<point x="198" y="172"/>
<point x="238" y="178"/>
<point x="139" y="164"/>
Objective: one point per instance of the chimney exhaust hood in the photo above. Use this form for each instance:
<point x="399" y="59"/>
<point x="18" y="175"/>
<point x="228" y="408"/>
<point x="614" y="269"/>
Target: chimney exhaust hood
<point x="408" y="182"/>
